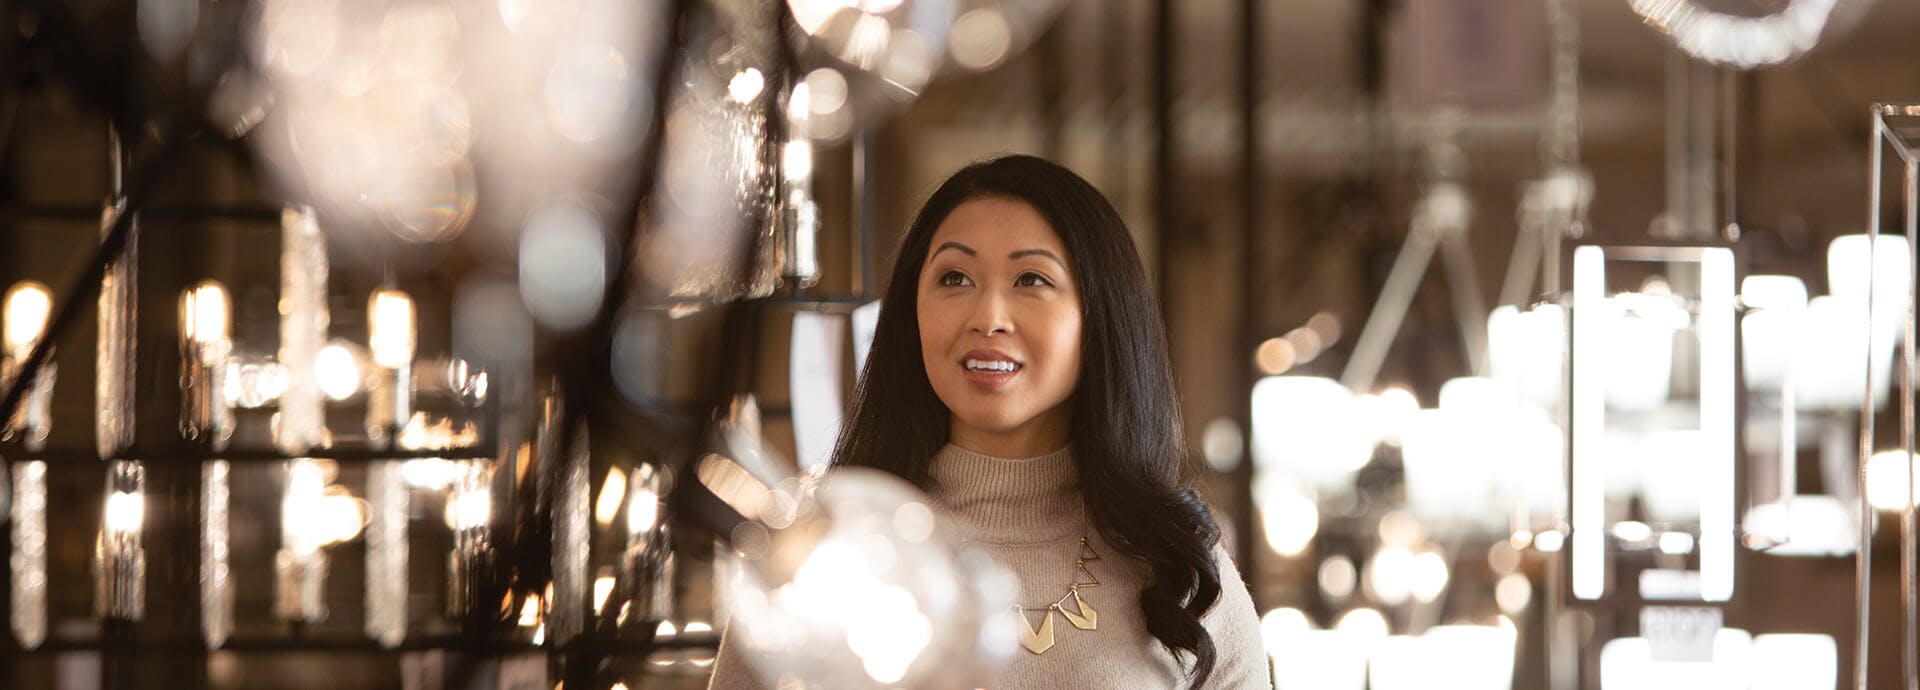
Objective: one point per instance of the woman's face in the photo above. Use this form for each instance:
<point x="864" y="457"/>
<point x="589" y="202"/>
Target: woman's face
<point x="999" y="313"/>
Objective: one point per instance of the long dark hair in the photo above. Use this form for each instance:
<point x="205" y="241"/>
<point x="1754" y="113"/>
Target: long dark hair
<point x="1126" y="433"/>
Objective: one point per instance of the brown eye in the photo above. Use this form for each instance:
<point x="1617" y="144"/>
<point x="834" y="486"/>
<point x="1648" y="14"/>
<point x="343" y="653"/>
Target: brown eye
<point x="954" y="279"/>
<point x="1031" y="279"/>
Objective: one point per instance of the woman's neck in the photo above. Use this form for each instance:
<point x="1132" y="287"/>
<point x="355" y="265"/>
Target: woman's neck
<point x="1041" y="435"/>
<point x="1022" y="500"/>
<point x="1010" y="444"/>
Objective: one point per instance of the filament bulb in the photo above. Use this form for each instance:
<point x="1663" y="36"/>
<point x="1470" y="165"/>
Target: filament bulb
<point x="28" y="305"/>
<point x="391" y="329"/>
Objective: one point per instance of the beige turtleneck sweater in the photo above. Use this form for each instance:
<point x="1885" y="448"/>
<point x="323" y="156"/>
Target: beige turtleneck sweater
<point x="1029" y="515"/>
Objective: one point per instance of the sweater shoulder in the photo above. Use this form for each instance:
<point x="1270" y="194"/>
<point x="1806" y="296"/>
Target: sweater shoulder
<point x="1240" y="658"/>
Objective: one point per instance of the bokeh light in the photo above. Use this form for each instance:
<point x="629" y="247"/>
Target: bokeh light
<point x="563" y="265"/>
<point x="1337" y="577"/>
<point x="338" y="370"/>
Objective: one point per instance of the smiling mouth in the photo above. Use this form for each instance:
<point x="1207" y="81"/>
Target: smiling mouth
<point x="991" y="366"/>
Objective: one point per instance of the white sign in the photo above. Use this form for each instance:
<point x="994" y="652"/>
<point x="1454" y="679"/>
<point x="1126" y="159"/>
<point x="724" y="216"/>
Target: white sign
<point x="1680" y="633"/>
<point x="815" y="374"/>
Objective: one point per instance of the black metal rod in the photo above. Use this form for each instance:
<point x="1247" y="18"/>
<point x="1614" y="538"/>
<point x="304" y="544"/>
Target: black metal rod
<point x="193" y="456"/>
<point x="487" y="447"/>
<point x="1250" y="302"/>
<point x="118" y="650"/>
<point x="191" y="644"/>
<point x="1117" y="51"/>
<point x="862" y="188"/>
<point x="161" y="214"/>
<point x="1052" y="86"/>
<point x="1166" y="209"/>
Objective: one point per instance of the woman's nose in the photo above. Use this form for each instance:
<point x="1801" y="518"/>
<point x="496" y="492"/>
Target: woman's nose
<point x="990" y="315"/>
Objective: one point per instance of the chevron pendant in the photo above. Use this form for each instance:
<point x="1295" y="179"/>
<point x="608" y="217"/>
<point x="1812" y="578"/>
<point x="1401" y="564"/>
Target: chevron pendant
<point x="1086" y="618"/>
<point x="1037" y="641"/>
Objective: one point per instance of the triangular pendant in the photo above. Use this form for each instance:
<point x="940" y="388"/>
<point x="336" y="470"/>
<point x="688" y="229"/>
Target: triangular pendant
<point x="1086" y="551"/>
<point x="1037" y="641"/>
<point x="1084" y="578"/>
<point x="1086" y="618"/>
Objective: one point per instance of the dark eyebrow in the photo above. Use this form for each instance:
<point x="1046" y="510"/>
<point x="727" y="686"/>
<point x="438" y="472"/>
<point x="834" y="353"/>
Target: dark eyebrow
<point x="1038" y="252"/>
<point x="956" y="246"/>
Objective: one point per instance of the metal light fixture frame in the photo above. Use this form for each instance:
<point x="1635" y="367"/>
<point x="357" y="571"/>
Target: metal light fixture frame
<point x="1895" y="127"/>
<point x="1717" y="408"/>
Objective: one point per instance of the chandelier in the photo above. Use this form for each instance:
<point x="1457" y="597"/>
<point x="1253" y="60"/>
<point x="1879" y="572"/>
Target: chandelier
<point x="439" y="430"/>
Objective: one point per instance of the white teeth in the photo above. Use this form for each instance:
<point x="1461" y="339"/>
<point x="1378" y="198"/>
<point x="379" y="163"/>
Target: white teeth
<point x="991" y="365"/>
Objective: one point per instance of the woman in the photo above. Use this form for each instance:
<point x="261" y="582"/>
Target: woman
<point x="1019" y="375"/>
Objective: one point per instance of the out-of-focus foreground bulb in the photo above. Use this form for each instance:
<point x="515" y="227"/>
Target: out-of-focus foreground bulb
<point x="862" y="601"/>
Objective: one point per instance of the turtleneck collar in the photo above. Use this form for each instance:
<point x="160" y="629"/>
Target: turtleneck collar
<point x="1010" y="501"/>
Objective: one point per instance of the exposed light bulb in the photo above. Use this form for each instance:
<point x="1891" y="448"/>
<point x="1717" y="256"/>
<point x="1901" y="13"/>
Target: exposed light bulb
<point x="799" y="102"/>
<point x="308" y="519"/>
<point x="338" y="371"/>
<point x="205" y="314"/>
<point x="472" y="508"/>
<point x="120" y="563"/>
<point x="125" y="512"/>
<point x="391" y="328"/>
<point x="342" y="516"/>
<point x="797" y="159"/>
<point x="643" y="512"/>
<point x="429" y="473"/>
<point x="530" y="611"/>
<point x="746" y="86"/>
<point x="391" y="337"/>
<point x="28" y="305"/>
<point x="612" y="492"/>
<point x="602" y="590"/>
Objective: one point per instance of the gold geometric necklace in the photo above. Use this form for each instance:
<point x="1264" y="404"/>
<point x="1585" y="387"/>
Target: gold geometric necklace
<point x="1082" y="616"/>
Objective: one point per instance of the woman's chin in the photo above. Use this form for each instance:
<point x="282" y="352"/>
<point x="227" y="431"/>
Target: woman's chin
<point x="995" y="422"/>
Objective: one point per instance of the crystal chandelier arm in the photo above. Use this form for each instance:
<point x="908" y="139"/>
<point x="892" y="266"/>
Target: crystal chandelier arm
<point x="1469" y="308"/>
<point x="1738" y="41"/>
<point x="85" y="285"/>
<point x="1390" y="308"/>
